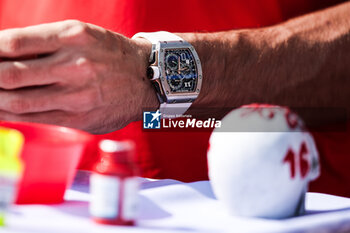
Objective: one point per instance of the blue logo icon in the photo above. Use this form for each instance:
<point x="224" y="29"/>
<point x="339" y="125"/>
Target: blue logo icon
<point x="151" y="120"/>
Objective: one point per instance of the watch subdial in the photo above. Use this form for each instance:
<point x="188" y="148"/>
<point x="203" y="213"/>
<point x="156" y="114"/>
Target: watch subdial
<point x="172" y="61"/>
<point x="175" y="81"/>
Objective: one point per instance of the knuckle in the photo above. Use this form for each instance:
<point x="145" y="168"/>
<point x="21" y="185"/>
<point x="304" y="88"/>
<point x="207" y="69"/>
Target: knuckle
<point x="12" y="43"/>
<point x="77" y="31"/>
<point x="80" y="27"/>
<point x="72" y="22"/>
<point x="86" y="66"/>
<point x="19" y="105"/>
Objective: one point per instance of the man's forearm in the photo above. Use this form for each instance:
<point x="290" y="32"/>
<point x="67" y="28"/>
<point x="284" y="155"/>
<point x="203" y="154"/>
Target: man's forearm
<point x="94" y="79"/>
<point x="304" y="62"/>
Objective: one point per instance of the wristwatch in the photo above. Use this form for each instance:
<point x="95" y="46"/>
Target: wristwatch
<point x="175" y="71"/>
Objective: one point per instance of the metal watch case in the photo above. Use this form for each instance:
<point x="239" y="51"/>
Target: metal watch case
<point x="156" y="72"/>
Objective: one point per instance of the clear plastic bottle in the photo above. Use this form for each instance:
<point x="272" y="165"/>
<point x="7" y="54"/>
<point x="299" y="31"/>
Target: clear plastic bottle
<point x="114" y="184"/>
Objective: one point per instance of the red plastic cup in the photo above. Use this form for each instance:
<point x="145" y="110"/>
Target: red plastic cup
<point x="51" y="155"/>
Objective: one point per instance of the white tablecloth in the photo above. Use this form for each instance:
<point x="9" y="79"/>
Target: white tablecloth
<point x="173" y="206"/>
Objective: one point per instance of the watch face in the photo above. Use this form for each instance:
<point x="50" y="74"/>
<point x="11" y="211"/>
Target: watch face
<point x="181" y="71"/>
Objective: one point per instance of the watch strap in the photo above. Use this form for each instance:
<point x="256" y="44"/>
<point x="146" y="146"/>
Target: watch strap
<point x="155" y="37"/>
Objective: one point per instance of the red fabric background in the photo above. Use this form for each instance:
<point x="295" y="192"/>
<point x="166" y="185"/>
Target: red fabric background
<point x="183" y="155"/>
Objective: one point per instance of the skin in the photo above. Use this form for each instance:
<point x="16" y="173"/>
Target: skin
<point x="301" y="63"/>
<point x="79" y="75"/>
<point x="86" y="78"/>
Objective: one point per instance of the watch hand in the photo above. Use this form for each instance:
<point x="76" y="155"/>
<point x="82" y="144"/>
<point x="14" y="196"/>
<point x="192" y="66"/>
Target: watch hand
<point x="178" y="65"/>
<point x="185" y="68"/>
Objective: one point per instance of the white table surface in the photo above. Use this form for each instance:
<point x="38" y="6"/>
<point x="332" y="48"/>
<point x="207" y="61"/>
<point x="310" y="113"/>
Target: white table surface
<point x="173" y="206"/>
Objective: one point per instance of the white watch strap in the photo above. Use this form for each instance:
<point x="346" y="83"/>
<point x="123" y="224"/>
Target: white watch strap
<point x="155" y="37"/>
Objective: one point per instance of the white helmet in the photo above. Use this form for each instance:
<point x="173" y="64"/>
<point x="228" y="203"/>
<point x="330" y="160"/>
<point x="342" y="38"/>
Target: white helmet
<point x="261" y="161"/>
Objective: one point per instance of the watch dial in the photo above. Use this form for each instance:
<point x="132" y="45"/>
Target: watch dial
<point x="181" y="70"/>
<point x="175" y="81"/>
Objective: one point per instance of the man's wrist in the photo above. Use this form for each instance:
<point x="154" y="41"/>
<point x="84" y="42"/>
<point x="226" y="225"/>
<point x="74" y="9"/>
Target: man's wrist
<point x="172" y="104"/>
<point x="214" y="54"/>
<point x="228" y="60"/>
<point x="149" y="100"/>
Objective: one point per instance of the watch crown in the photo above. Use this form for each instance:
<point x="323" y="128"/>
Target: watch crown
<point x="153" y="72"/>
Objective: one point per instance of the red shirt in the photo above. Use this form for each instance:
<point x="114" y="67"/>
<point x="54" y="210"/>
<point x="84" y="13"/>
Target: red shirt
<point x="158" y="154"/>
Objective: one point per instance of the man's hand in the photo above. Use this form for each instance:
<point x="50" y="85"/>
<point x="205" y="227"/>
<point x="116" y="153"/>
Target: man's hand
<point x="73" y="74"/>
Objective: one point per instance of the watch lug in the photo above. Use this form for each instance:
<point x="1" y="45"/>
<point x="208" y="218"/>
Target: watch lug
<point x="153" y="60"/>
<point x="160" y="93"/>
<point x="152" y="57"/>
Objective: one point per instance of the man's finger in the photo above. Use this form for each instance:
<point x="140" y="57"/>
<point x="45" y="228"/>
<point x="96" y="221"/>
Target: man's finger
<point x="30" y="100"/>
<point x="48" y="98"/>
<point x="34" y="72"/>
<point x="26" y="41"/>
<point x="51" y="117"/>
<point x="38" y="39"/>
